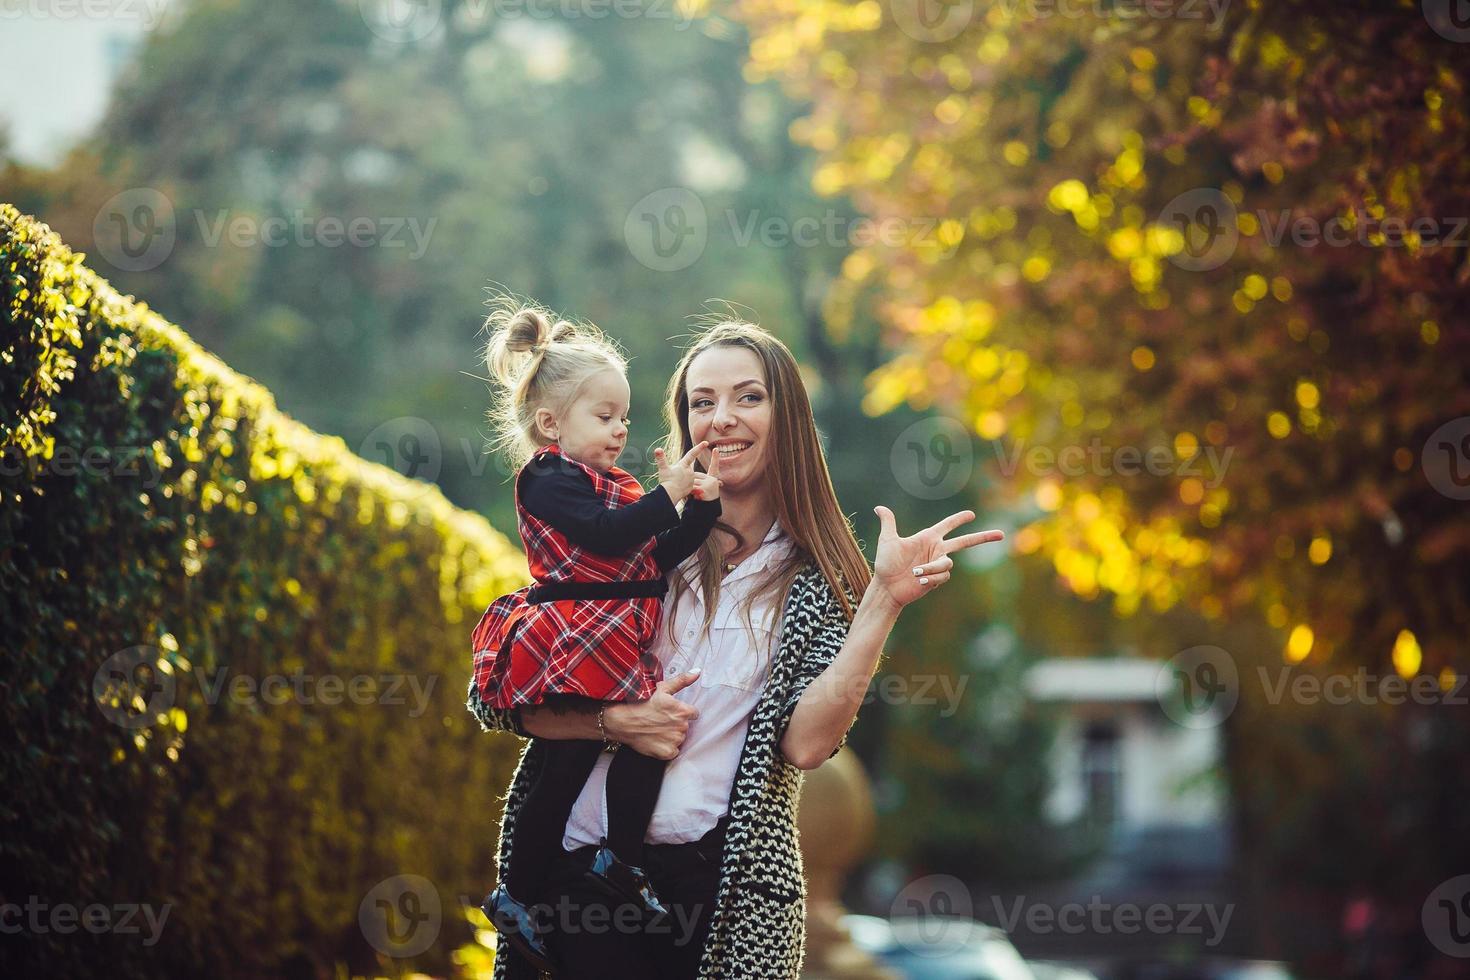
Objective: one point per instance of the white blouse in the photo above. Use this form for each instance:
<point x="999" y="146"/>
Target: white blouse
<point x="734" y="660"/>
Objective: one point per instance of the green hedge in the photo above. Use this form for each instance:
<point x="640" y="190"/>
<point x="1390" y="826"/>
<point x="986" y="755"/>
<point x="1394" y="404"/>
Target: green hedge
<point x="156" y="502"/>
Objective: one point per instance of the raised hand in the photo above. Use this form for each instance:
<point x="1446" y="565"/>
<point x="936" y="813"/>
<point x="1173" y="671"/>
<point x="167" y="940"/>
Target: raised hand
<point x="707" y="484"/>
<point x="677" y="478"/>
<point x="906" y="568"/>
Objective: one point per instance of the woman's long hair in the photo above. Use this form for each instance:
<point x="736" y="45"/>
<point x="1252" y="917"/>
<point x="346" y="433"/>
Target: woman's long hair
<point x="800" y="486"/>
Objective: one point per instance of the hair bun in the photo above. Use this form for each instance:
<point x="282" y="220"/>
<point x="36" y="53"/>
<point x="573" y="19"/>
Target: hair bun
<point x="528" y="330"/>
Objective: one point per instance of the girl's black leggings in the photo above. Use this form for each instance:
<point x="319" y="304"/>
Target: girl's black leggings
<point x="633" y="784"/>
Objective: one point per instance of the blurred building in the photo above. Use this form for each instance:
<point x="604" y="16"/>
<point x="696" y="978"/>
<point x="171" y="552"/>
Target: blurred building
<point x="1145" y="791"/>
<point x="70" y="54"/>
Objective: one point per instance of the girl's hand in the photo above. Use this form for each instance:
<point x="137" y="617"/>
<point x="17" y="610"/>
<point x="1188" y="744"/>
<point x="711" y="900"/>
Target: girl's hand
<point x="906" y="568"/>
<point x="656" y="727"/>
<point x="707" y="484"/>
<point x="677" y="478"/>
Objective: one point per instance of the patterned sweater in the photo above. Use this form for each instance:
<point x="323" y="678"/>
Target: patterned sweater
<point x="758" y="927"/>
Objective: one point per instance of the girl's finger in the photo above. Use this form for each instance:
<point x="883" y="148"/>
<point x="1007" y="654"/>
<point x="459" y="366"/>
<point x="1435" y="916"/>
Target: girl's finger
<point x="688" y="459"/>
<point x="930" y="581"/>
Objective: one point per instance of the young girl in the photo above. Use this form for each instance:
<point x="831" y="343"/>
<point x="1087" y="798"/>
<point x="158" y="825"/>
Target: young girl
<point x="598" y="548"/>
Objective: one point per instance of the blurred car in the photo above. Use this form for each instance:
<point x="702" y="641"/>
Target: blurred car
<point x="933" y="947"/>
<point x="1211" y="969"/>
<point x="1044" y="970"/>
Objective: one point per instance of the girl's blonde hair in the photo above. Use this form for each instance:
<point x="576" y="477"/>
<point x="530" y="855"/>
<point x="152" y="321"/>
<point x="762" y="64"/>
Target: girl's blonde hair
<point x="796" y="471"/>
<point x="538" y="360"/>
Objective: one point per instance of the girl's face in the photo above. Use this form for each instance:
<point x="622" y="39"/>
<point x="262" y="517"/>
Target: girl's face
<point x="730" y="407"/>
<point x="593" y="429"/>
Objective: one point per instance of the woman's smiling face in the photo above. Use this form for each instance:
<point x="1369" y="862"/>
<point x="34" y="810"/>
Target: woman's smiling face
<point x="730" y="407"/>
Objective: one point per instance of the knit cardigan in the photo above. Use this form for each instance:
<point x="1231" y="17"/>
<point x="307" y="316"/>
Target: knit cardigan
<point x="758" y="926"/>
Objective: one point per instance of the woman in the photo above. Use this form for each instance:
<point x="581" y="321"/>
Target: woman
<point x="772" y="632"/>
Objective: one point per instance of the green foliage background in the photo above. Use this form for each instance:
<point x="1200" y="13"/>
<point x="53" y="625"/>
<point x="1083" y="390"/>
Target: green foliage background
<point x="261" y="549"/>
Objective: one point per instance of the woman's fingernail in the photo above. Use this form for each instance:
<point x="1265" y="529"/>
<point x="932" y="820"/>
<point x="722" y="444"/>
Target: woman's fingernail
<point x="918" y="571"/>
<point x="923" y="581"/>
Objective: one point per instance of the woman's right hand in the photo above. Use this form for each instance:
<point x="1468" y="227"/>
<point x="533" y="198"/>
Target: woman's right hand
<point x="656" y="727"/>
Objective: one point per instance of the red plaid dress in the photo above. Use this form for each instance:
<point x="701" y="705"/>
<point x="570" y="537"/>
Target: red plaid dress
<point x="598" y="648"/>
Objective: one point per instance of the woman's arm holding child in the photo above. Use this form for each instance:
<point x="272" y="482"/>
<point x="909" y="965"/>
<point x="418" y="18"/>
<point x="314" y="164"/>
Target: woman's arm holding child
<point x="654" y="728"/>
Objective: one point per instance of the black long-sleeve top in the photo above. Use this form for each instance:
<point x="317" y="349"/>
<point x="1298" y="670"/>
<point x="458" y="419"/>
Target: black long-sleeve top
<point x="560" y="494"/>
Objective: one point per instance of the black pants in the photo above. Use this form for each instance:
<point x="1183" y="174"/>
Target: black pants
<point x="633" y="784"/>
<point x="596" y="939"/>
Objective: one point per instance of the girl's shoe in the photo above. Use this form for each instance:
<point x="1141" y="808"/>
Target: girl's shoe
<point x="517" y="923"/>
<point x="623" y="880"/>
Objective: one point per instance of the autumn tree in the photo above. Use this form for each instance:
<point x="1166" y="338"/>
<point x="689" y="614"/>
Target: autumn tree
<point x="1197" y="274"/>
